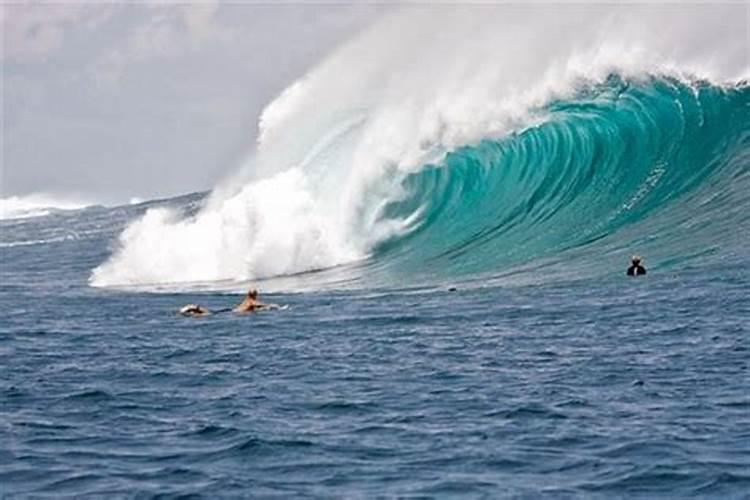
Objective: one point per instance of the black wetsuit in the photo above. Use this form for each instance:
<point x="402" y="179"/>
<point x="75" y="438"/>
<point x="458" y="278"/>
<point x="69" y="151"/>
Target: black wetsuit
<point x="636" y="270"/>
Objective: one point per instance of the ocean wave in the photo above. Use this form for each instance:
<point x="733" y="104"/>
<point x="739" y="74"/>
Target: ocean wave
<point x="456" y="145"/>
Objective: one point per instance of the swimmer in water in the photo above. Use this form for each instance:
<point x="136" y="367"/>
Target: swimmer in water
<point x="248" y="305"/>
<point x="251" y="303"/>
<point x="636" y="269"/>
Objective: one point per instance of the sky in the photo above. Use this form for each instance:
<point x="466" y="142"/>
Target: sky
<point x="107" y="102"/>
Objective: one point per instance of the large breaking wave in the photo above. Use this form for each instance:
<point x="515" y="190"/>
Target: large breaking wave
<point x="465" y="142"/>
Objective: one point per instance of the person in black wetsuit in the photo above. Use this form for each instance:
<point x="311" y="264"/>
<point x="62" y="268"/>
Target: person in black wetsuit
<point x="636" y="269"/>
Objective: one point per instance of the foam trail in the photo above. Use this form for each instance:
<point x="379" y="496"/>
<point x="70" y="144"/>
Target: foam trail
<point x="336" y="147"/>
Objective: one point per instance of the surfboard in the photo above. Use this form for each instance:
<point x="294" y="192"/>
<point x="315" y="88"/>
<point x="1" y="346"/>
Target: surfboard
<point x="275" y="307"/>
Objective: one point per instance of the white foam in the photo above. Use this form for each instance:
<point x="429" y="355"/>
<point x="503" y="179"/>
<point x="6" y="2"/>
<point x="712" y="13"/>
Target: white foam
<point x="334" y="147"/>
<point x="272" y="227"/>
<point x="36" y="205"/>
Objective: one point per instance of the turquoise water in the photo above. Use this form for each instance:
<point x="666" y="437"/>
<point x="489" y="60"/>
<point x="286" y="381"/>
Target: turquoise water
<point x="545" y="373"/>
<point x="656" y="166"/>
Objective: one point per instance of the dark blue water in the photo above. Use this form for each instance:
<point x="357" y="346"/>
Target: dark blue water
<point x="593" y="388"/>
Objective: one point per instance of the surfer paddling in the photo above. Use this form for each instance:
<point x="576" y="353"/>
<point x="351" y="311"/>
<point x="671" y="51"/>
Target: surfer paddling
<point x="636" y="269"/>
<point x="251" y="303"/>
<point x="248" y="305"/>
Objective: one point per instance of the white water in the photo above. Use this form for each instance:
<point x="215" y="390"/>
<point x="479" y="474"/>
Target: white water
<point x="335" y="145"/>
<point x="36" y="205"/>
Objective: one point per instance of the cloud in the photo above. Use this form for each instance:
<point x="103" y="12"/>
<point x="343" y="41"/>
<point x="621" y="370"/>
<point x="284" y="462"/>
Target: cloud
<point x="168" y="30"/>
<point x="199" y="18"/>
<point x="35" y="31"/>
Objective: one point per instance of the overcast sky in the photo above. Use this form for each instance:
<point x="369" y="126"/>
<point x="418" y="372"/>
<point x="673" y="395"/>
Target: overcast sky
<point x="111" y="101"/>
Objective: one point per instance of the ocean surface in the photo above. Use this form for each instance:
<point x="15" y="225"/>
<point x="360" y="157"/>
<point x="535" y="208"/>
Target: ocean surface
<point x="608" y="387"/>
<point x="459" y="322"/>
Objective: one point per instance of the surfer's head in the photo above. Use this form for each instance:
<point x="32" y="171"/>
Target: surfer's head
<point x="252" y="294"/>
<point x="635" y="260"/>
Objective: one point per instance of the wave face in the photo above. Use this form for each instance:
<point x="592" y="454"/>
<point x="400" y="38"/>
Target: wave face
<point x="429" y="150"/>
<point x="656" y="166"/>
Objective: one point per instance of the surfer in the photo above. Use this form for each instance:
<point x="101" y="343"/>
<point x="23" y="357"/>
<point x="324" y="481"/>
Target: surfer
<point x="636" y="269"/>
<point x="248" y="305"/>
<point x="251" y="303"/>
